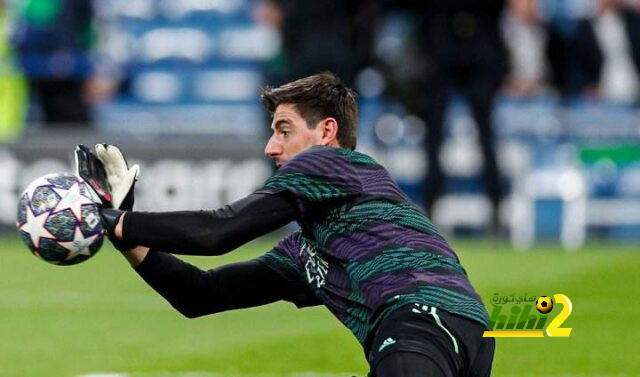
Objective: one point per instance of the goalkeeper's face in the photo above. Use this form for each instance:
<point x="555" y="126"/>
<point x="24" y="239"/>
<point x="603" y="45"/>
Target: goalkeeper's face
<point x="292" y="135"/>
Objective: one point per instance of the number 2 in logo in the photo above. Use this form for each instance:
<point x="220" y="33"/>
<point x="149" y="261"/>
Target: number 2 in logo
<point x="554" y="328"/>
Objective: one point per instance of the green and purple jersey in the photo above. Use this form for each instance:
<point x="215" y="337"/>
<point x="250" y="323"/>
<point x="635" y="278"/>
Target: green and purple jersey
<point x="363" y="248"/>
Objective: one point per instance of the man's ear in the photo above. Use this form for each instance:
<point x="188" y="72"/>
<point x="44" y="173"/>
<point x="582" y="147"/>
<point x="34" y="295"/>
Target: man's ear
<point x="329" y="127"/>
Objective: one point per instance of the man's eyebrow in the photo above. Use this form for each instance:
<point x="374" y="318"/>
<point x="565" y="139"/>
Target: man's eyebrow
<point x="280" y="122"/>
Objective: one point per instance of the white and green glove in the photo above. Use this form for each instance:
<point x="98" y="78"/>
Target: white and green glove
<point x="112" y="184"/>
<point x="120" y="176"/>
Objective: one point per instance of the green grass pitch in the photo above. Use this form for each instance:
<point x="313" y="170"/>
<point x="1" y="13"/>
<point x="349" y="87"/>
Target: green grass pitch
<point x="100" y="317"/>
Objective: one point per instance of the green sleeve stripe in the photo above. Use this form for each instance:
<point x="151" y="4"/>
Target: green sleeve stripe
<point x="274" y="256"/>
<point x="357" y="157"/>
<point x="394" y="260"/>
<point x="399" y="213"/>
<point x="313" y="189"/>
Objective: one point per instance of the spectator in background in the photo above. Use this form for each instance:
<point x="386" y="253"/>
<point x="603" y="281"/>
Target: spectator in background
<point x="52" y="39"/>
<point x="593" y="48"/>
<point x="631" y="16"/>
<point x="462" y="51"/>
<point x="574" y="55"/>
<point x="525" y="40"/>
<point x="329" y="35"/>
<point x="617" y="30"/>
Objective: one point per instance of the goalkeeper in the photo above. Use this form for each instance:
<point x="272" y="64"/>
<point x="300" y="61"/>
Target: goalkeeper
<point x="363" y="250"/>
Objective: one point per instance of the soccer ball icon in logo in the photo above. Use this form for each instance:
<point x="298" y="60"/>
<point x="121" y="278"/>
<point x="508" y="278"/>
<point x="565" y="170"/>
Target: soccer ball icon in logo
<point x="544" y="304"/>
<point x="58" y="221"/>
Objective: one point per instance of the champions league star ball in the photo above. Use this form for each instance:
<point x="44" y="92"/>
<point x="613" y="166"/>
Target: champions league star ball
<point x="58" y="221"/>
<point x="544" y="304"/>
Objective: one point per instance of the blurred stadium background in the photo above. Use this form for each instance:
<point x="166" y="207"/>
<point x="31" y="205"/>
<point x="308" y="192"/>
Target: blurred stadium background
<point x="175" y="84"/>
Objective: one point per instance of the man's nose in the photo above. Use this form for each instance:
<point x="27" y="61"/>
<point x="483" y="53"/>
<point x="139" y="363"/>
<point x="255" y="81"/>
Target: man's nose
<point x="272" y="149"/>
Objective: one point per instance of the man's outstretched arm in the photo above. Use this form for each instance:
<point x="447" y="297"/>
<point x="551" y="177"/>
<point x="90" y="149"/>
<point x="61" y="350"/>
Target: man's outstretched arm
<point x="205" y="232"/>
<point x="194" y="292"/>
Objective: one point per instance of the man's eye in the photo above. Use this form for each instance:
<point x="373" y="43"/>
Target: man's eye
<point x="286" y="133"/>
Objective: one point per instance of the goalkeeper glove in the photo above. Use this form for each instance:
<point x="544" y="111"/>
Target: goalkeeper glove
<point x="120" y="176"/>
<point x="91" y="170"/>
<point x="122" y="180"/>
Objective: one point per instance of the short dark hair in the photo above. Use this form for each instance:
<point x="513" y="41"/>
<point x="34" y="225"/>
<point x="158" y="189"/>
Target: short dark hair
<point x="317" y="97"/>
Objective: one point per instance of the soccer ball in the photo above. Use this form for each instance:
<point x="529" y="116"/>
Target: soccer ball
<point x="544" y="304"/>
<point x="58" y="221"/>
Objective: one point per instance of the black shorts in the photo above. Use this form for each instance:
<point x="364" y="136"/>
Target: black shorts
<point x="419" y="340"/>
